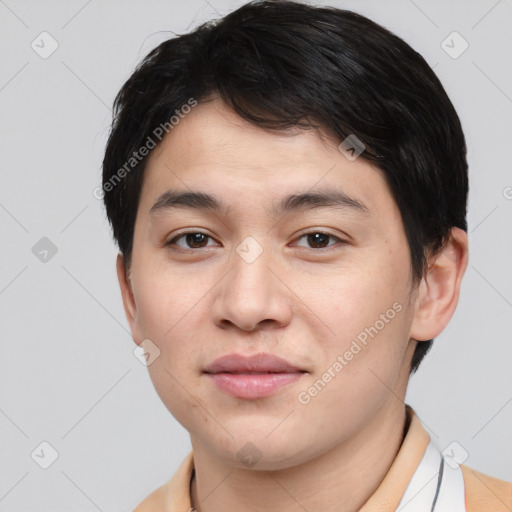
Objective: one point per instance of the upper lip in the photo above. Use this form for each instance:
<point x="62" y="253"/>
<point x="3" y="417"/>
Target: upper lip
<point x="262" y="362"/>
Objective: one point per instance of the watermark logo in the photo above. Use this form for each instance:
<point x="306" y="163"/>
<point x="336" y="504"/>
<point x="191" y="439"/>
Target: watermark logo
<point x="249" y="455"/>
<point x="44" y="455"/>
<point x="352" y="147"/>
<point x="146" y="352"/>
<point x="44" y="45"/>
<point x="249" y="249"/>
<point x="44" y="250"/>
<point x="454" y="45"/>
<point x="455" y="454"/>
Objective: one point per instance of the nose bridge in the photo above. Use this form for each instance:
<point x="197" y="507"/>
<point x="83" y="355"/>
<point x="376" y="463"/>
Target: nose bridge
<point x="251" y="293"/>
<point x="251" y="275"/>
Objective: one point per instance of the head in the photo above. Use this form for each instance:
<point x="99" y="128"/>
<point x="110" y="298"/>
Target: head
<point x="227" y="145"/>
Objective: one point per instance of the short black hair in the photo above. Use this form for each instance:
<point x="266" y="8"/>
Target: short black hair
<point x="284" y="64"/>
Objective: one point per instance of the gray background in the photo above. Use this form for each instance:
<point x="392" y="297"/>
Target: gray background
<point x="68" y="375"/>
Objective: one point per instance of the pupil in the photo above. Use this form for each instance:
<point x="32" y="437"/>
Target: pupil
<point x="195" y="239"/>
<point x="317" y="239"/>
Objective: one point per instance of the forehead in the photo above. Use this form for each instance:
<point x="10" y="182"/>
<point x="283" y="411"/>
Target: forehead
<point x="213" y="131"/>
<point x="213" y="149"/>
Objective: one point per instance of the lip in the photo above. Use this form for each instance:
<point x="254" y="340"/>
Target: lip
<point x="254" y="376"/>
<point x="259" y="363"/>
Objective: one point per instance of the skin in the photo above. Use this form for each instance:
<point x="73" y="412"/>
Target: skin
<point x="297" y="300"/>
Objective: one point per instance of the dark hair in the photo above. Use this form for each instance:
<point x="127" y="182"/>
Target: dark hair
<point x="280" y="64"/>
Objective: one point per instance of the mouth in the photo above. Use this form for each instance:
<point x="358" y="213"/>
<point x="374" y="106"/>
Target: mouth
<point x="241" y="372"/>
<point x="252" y="377"/>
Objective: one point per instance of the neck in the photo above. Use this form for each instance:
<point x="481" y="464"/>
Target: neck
<point x="341" y="480"/>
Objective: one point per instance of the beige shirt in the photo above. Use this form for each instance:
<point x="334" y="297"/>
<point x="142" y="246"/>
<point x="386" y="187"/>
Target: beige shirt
<point x="473" y="492"/>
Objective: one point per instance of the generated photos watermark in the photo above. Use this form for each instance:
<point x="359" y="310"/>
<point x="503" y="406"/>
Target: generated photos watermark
<point x="358" y="343"/>
<point x="151" y="142"/>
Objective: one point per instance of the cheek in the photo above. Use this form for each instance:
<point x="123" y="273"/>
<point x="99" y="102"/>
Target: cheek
<point x="366" y="366"/>
<point x="177" y="393"/>
<point x="365" y="298"/>
<point x="169" y="323"/>
<point x="164" y="297"/>
<point x="368" y="311"/>
<point x="172" y="322"/>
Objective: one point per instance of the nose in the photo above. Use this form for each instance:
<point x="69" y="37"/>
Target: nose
<point x="252" y="296"/>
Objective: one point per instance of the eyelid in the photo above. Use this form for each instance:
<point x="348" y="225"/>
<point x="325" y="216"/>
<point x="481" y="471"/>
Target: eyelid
<point x="323" y="232"/>
<point x="179" y="235"/>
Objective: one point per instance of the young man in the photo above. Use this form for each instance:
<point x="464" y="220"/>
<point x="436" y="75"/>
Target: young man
<point x="288" y="190"/>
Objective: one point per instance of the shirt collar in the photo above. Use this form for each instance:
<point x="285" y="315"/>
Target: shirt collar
<point x="389" y="493"/>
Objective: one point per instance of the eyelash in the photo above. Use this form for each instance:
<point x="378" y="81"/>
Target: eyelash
<point x="314" y="232"/>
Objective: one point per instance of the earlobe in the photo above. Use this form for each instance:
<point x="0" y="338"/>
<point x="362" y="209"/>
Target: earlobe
<point x="438" y="292"/>
<point x="127" y="294"/>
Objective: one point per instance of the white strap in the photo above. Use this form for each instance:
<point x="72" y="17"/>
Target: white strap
<point x="434" y="487"/>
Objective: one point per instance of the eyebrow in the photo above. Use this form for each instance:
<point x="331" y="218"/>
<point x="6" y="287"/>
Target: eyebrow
<point x="327" y="198"/>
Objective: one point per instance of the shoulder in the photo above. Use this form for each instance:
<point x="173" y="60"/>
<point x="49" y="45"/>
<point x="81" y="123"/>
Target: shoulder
<point x="174" y="495"/>
<point x="485" y="493"/>
<point x="155" y="502"/>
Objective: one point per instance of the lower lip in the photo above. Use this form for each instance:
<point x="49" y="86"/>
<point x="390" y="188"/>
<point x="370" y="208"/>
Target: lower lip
<point x="254" y="385"/>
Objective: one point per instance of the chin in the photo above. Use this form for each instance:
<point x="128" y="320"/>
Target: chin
<point x="261" y="453"/>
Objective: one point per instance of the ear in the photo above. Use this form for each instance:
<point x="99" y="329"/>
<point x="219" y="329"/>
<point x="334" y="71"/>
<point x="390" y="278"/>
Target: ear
<point x="438" y="291"/>
<point x="129" y="304"/>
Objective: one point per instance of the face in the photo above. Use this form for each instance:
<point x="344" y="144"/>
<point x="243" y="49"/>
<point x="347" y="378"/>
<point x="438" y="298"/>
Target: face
<point x="267" y="264"/>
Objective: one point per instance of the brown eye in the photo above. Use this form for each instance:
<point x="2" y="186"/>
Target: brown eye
<point x="318" y="240"/>
<point x="193" y="240"/>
